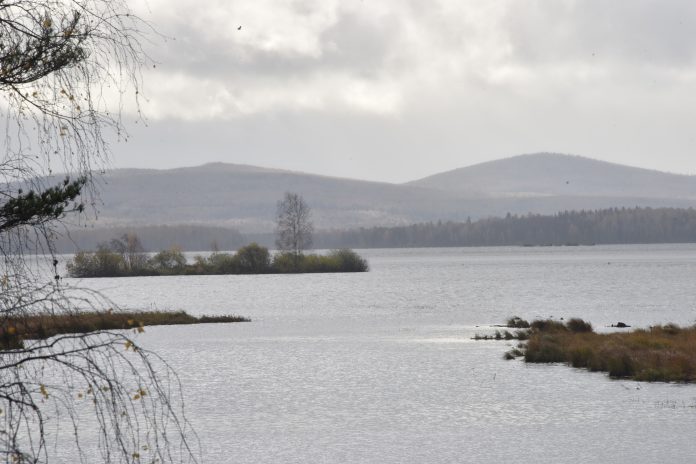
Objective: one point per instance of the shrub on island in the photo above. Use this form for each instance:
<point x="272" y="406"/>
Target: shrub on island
<point x="251" y="259"/>
<point x="335" y="261"/>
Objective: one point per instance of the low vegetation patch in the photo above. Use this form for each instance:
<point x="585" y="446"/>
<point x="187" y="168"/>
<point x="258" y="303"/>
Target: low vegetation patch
<point x="498" y="335"/>
<point x="516" y="322"/>
<point x="13" y="331"/>
<point x="665" y="353"/>
<point x="121" y="259"/>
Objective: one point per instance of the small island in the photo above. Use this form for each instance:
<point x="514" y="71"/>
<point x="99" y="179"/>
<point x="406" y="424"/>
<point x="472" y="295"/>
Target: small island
<point x="126" y="257"/>
<point x="662" y="353"/>
<point x="115" y="261"/>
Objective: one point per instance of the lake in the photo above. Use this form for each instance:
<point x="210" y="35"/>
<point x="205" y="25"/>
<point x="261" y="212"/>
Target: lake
<point x="379" y="367"/>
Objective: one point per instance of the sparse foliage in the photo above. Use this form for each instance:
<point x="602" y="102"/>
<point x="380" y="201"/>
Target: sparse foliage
<point x="168" y="261"/>
<point x="131" y="251"/>
<point x="65" y="66"/>
<point x="294" y="225"/>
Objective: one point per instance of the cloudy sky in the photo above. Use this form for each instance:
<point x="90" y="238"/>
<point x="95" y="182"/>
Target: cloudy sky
<point x="398" y="89"/>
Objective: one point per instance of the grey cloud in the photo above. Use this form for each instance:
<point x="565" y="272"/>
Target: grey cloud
<point x="475" y="81"/>
<point x="661" y="32"/>
<point x="360" y="46"/>
<point x="352" y="45"/>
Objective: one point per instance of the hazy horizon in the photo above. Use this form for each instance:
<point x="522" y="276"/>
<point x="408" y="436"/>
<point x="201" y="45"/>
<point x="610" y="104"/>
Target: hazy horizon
<point x="392" y="91"/>
<point x="421" y="176"/>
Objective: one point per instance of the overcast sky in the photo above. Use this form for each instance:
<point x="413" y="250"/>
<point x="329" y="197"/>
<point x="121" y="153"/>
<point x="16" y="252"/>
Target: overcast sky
<point x="395" y="90"/>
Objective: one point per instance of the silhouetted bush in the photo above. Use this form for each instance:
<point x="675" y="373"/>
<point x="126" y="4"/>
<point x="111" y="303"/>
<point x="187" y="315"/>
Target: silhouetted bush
<point x="253" y="259"/>
<point x="335" y="261"/>
<point x="216" y="263"/>
<point x="168" y="262"/>
<point x="348" y="261"/>
<point x="517" y="323"/>
<point x="285" y="263"/>
<point x="522" y="334"/>
<point x="548" y="325"/>
<point x="578" y="325"/>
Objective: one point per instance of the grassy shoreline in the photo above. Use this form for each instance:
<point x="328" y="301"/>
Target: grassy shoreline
<point x="13" y="331"/>
<point x="663" y="353"/>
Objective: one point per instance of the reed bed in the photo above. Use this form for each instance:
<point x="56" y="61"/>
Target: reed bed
<point x="665" y="353"/>
<point x="13" y="331"/>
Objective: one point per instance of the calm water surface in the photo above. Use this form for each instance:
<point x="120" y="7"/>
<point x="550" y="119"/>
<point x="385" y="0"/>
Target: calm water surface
<point x="380" y="367"/>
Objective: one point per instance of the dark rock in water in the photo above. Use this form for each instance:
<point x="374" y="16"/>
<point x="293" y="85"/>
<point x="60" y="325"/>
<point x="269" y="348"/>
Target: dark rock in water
<point x="620" y="325"/>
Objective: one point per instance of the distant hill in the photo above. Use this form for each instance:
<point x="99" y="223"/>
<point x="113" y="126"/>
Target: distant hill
<point x="550" y="174"/>
<point x="244" y="197"/>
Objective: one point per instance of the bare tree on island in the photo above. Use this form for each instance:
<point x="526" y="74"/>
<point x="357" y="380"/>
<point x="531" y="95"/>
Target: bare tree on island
<point x="294" y="225"/>
<point x="65" y="66"/>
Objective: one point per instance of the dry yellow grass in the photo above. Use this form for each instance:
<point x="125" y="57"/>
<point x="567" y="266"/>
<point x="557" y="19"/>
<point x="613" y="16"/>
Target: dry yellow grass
<point x="661" y="353"/>
<point x="14" y="330"/>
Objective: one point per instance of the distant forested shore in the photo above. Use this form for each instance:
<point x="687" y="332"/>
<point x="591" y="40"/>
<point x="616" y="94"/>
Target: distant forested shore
<point x="597" y="227"/>
<point x="606" y="226"/>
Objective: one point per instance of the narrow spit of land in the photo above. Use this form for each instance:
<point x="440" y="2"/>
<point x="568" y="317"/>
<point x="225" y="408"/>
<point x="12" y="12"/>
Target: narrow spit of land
<point x="663" y="353"/>
<point x="13" y="331"/>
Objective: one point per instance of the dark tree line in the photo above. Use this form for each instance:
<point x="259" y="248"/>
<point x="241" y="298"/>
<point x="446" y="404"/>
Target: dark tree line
<point x="607" y="226"/>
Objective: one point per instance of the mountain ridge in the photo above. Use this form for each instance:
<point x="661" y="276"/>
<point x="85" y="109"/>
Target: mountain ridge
<point x="245" y="196"/>
<point x="564" y="175"/>
<point x="557" y="155"/>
